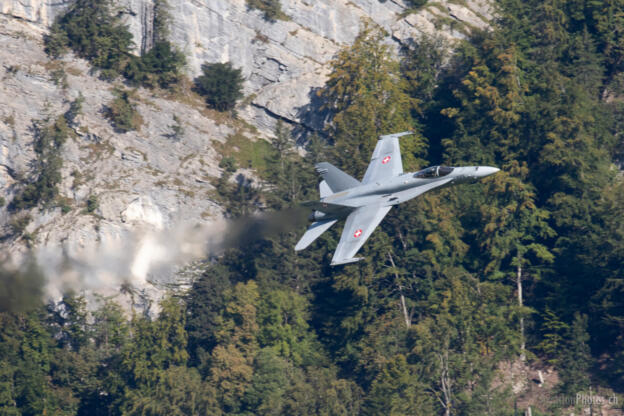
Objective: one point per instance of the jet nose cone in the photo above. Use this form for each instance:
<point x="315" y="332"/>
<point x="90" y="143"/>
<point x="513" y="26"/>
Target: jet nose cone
<point x="487" y="171"/>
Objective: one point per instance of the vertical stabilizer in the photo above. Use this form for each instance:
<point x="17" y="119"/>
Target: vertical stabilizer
<point x="335" y="178"/>
<point x="324" y="189"/>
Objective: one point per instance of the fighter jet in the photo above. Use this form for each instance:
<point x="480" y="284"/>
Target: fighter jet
<point x="365" y="204"/>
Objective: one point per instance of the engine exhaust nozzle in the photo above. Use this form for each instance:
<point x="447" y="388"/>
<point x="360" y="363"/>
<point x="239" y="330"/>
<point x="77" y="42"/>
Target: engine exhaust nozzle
<point x="317" y="216"/>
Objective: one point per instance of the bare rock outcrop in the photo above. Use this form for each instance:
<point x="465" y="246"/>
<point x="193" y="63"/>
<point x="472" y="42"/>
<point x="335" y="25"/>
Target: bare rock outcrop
<point x="144" y="181"/>
<point x="283" y="61"/>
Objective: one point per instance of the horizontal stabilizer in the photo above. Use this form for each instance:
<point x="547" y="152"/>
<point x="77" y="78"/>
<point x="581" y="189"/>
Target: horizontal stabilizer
<point x="314" y="232"/>
<point x="335" y="178"/>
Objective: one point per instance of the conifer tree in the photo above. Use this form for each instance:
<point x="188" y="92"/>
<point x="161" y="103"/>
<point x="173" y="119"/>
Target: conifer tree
<point x="232" y="360"/>
<point x="553" y="330"/>
<point x="397" y="391"/>
<point x="221" y="84"/>
<point x="576" y="357"/>
<point x="156" y="345"/>
<point x="366" y="98"/>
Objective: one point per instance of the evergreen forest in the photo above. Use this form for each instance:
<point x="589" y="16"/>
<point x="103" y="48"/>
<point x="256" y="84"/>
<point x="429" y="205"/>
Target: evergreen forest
<point x="524" y="269"/>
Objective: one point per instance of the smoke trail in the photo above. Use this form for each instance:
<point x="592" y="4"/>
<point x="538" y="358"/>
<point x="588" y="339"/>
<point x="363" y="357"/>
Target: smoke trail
<point x="266" y="225"/>
<point x="141" y="256"/>
<point x="21" y="289"/>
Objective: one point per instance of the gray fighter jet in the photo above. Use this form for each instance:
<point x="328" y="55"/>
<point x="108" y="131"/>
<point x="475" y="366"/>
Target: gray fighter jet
<point x="364" y="204"/>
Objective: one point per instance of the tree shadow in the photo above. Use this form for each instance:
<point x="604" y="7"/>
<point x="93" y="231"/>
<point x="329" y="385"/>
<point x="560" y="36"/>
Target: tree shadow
<point x="313" y="118"/>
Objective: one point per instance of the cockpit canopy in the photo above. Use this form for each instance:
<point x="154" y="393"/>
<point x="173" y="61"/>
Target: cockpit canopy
<point x="433" y="172"/>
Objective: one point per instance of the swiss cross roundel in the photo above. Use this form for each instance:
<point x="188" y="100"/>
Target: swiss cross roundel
<point x="357" y="233"/>
<point x="386" y="160"/>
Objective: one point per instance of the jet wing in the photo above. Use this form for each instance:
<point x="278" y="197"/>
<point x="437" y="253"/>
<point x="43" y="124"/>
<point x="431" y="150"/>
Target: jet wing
<point x="386" y="161"/>
<point x="408" y="194"/>
<point x="359" y="226"/>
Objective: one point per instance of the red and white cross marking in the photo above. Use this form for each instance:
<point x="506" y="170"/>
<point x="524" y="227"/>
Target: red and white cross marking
<point x="357" y="233"/>
<point x="386" y="160"/>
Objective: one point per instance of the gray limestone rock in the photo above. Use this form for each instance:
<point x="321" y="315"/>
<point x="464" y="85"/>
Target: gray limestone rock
<point x="142" y="180"/>
<point x="42" y="12"/>
<point x="282" y="61"/>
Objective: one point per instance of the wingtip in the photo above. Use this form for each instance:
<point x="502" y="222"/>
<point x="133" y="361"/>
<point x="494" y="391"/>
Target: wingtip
<point x="403" y="133"/>
<point x="346" y="261"/>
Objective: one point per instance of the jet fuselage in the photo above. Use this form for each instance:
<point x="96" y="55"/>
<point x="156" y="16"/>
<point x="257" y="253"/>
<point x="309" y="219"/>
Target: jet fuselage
<point x="393" y="191"/>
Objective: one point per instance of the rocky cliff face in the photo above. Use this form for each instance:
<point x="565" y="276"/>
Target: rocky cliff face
<point x="151" y="188"/>
<point x="40" y="12"/>
<point x="285" y="60"/>
<point x="147" y="184"/>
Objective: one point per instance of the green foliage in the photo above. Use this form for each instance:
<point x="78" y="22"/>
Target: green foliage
<point x="416" y="4"/>
<point x="228" y="164"/>
<point x="95" y="32"/>
<point x="160" y="67"/>
<point x="284" y="169"/>
<point x="178" y="391"/>
<point x="177" y="129"/>
<point x="69" y="322"/>
<point x="459" y="359"/>
<point x="18" y="224"/>
<point x="122" y="111"/>
<point x="241" y="197"/>
<point x="42" y="188"/>
<point x="159" y="344"/>
<point x="283" y="319"/>
<point x="162" y="19"/>
<point x="265" y="396"/>
<point x="271" y="9"/>
<point x="553" y="335"/>
<point x="56" y="41"/>
<point x="92" y="204"/>
<point x="421" y="67"/>
<point x="393" y="392"/>
<point x="92" y="32"/>
<point x="25" y="364"/>
<point x="367" y="98"/>
<point x="220" y="84"/>
<point x="424" y="324"/>
<point x="576" y="358"/>
<point x="512" y="222"/>
<point x="231" y="371"/>
<point x="75" y="109"/>
<point x="245" y="153"/>
<point x="59" y="77"/>
<point x="22" y="288"/>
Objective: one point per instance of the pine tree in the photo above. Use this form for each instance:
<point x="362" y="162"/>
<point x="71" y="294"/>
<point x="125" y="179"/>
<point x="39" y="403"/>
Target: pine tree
<point x="576" y="357"/>
<point x="367" y="98"/>
<point x="463" y="337"/>
<point x="396" y="391"/>
<point x="156" y="345"/>
<point x="488" y="105"/>
<point x="231" y="369"/>
<point x="221" y="84"/>
<point x="265" y="396"/>
<point x="553" y="330"/>
<point x="179" y="391"/>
